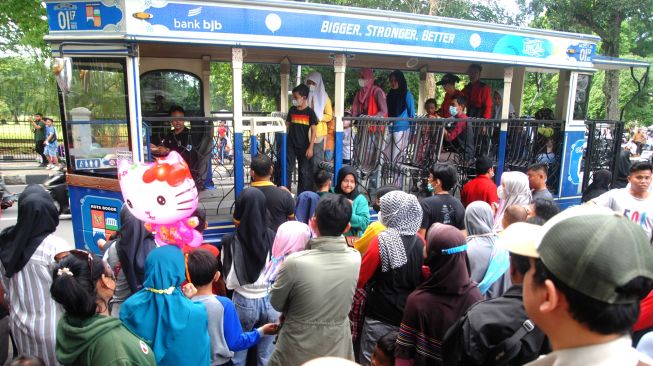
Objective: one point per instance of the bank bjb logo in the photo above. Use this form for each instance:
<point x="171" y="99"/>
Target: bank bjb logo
<point x="534" y="47"/>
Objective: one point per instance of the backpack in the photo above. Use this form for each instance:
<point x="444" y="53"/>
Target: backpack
<point x="459" y="350"/>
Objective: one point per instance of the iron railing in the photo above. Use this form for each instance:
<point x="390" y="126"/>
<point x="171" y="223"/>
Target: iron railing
<point x="17" y="141"/>
<point x="404" y="161"/>
<point x="603" y="148"/>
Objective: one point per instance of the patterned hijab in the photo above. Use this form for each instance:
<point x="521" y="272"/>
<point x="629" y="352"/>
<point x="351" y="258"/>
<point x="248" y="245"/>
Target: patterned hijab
<point x="401" y="214"/>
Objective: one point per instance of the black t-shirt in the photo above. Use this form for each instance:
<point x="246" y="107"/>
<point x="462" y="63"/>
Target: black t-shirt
<point x="183" y="144"/>
<point x="442" y="208"/>
<point x="300" y="126"/>
<point x="279" y="203"/>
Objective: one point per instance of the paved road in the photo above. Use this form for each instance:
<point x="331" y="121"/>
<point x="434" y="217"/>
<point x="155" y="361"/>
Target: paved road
<point x="64" y="230"/>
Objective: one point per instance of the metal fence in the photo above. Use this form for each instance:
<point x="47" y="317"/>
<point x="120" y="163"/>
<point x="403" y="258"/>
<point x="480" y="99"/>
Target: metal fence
<point x="212" y="138"/>
<point x="17" y="141"/>
<point x="603" y="148"/>
<point x="385" y="157"/>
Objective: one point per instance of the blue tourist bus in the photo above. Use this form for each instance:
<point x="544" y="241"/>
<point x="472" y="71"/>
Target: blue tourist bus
<point x="121" y="64"/>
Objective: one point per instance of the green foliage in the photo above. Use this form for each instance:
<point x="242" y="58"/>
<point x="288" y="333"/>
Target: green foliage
<point x="22" y="25"/>
<point x="27" y="88"/>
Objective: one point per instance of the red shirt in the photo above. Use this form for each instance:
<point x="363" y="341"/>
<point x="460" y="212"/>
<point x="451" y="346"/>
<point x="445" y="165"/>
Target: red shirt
<point x="645" y="313"/>
<point x="481" y="188"/>
<point x="459" y="127"/>
<point x="479" y="96"/>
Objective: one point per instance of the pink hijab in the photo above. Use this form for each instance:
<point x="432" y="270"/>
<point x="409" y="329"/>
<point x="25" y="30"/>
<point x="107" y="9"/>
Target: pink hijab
<point x="364" y="92"/>
<point x="292" y="236"/>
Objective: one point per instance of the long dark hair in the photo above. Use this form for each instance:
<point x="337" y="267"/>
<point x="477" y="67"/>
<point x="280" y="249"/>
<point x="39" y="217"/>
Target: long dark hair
<point x="396" y="98"/>
<point x="73" y="284"/>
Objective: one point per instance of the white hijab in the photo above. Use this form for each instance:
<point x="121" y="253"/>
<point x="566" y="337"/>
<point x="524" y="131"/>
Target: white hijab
<point x="317" y="99"/>
<point x="514" y="190"/>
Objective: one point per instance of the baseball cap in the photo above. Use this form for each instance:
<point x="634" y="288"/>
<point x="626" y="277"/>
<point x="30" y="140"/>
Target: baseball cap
<point x="448" y="78"/>
<point x="592" y="250"/>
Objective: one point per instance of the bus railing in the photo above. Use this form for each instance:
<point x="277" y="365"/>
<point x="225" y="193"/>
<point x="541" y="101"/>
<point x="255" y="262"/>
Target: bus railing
<point x="603" y="146"/>
<point x="403" y="160"/>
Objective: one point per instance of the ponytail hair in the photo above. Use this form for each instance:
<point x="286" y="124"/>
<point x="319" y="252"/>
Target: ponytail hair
<point x="73" y="284"/>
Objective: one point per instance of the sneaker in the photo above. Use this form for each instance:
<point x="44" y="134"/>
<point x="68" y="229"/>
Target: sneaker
<point x="50" y="166"/>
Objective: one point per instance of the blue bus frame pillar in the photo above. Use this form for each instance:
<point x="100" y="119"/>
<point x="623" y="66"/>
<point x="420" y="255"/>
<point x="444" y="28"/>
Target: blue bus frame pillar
<point x="505" y="111"/>
<point x="237" y="70"/>
<point x="340" y="66"/>
<point x="134" y="104"/>
<point x="423" y="91"/>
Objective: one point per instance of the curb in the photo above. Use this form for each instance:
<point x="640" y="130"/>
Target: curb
<point x="22" y="179"/>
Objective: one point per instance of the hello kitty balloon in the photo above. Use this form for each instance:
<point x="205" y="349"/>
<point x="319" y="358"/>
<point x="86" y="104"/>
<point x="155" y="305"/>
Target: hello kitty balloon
<point x="163" y="195"/>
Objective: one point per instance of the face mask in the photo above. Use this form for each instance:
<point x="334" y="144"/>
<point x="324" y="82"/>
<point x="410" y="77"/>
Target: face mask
<point x="296" y="103"/>
<point x="362" y="83"/>
<point x="376" y="208"/>
<point x="430" y="187"/>
<point x="453" y="110"/>
<point x="311" y="88"/>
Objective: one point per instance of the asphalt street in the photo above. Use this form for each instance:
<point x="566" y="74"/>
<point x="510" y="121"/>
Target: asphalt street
<point x="9" y="216"/>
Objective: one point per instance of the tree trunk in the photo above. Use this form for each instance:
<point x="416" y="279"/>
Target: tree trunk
<point x="610" y="47"/>
<point x="435" y="8"/>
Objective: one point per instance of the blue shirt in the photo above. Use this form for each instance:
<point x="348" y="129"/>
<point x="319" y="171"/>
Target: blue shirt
<point x="49" y="130"/>
<point x="409" y="112"/>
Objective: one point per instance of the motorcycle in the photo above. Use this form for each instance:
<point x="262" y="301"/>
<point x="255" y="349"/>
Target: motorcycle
<point x="56" y="186"/>
<point x="7" y="199"/>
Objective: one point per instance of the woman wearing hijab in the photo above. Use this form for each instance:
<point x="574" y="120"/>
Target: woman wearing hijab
<point x="347" y="185"/>
<point x="320" y="102"/>
<point x="400" y="104"/>
<point x="392" y="265"/>
<point x="370" y="101"/>
<point x="291" y="237"/>
<point x="487" y="261"/>
<point x="175" y="327"/>
<point x="26" y="251"/>
<point x="127" y="256"/>
<point x="600" y="184"/>
<point x="245" y="254"/>
<point x="497" y="107"/>
<point x="439" y="301"/>
<point x="514" y="190"/>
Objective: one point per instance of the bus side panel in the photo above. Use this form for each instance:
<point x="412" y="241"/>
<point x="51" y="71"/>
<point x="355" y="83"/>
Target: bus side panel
<point x="95" y="212"/>
<point x="572" y="173"/>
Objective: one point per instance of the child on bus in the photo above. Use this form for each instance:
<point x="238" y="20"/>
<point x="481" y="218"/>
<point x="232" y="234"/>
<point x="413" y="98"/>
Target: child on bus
<point x="225" y="331"/>
<point x="301" y="125"/>
<point x="431" y="108"/>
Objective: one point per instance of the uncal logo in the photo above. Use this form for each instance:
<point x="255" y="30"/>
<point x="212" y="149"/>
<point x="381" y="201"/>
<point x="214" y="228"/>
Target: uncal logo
<point x="534" y="47"/>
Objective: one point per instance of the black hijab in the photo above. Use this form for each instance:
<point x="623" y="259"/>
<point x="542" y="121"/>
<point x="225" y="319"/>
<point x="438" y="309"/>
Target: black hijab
<point x="396" y="98"/>
<point x="622" y="169"/>
<point x="342" y="173"/>
<point x="600" y="184"/>
<point x="247" y="249"/>
<point x="133" y="245"/>
<point x="37" y="218"/>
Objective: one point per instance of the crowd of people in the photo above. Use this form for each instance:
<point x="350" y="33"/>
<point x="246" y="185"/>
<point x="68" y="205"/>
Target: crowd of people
<point x="501" y="277"/>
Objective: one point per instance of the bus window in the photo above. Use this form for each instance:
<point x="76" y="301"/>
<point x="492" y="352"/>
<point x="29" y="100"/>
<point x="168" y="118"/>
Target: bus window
<point x="96" y="116"/>
<point x="162" y="89"/>
<point x="582" y="96"/>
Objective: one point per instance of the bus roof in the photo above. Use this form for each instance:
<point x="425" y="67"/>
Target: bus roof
<point x="274" y="24"/>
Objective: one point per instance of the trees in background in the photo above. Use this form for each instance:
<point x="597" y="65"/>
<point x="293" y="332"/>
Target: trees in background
<point x="625" y="28"/>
